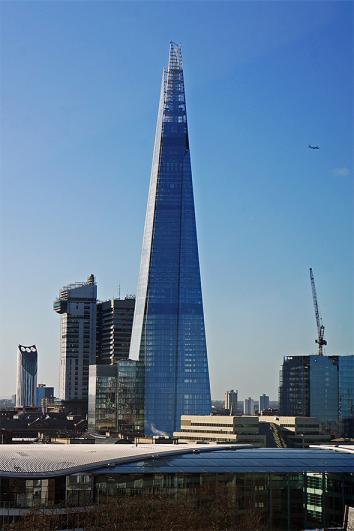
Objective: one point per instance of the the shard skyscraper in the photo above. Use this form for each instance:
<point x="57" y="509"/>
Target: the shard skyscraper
<point x="168" y="330"/>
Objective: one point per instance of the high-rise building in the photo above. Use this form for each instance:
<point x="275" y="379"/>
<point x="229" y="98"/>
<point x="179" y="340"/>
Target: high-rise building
<point x="116" y="398"/>
<point x="263" y="402"/>
<point x="248" y="408"/>
<point x="318" y="386"/>
<point x="346" y="395"/>
<point x="44" y="395"/>
<point x="130" y="398"/>
<point x="77" y="305"/>
<point x="114" y="328"/>
<point x="294" y="387"/>
<point x="26" y="381"/>
<point x="230" y="401"/>
<point x="168" y="330"/>
<point x="102" y="401"/>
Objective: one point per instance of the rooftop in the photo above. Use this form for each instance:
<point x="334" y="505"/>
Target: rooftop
<point x="54" y="460"/>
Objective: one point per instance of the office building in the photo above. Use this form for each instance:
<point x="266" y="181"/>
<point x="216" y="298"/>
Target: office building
<point x="114" y="328"/>
<point x="102" y="399"/>
<point x="220" y="429"/>
<point x="230" y="402"/>
<point x="77" y="306"/>
<point x="323" y="385"/>
<point x="130" y="398"/>
<point x="200" y="486"/>
<point x="44" y="395"/>
<point x="295" y="432"/>
<point x="26" y="380"/>
<point x="116" y="398"/>
<point x="319" y="386"/>
<point x="346" y="395"/>
<point x="168" y="329"/>
<point x="263" y="402"/>
<point x="294" y="388"/>
<point x="248" y="406"/>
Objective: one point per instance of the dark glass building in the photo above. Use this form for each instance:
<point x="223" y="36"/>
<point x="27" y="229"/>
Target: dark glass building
<point x="294" y="388"/>
<point x="102" y="399"/>
<point x="168" y="330"/>
<point x="114" y="329"/>
<point x="346" y="395"/>
<point x="319" y="386"/>
<point x="130" y="398"/>
<point x="26" y="380"/>
<point x="44" y="395"/>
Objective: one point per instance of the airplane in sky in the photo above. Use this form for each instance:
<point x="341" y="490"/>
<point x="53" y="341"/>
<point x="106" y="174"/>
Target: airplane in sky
<point x="313" y="147"/>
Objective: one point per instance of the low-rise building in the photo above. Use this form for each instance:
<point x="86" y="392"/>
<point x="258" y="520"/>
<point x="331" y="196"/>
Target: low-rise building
<point x="297" y="432"/>
<point x="218" y="428"/>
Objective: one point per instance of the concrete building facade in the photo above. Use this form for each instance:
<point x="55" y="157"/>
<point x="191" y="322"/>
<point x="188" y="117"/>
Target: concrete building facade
<point x="230" y="401"/>
<point x="248" y="406"/>
<point x="220" y="428"/>
<point x="77" y="306"/>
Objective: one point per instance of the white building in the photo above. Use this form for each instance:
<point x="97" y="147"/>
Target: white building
<point x="248" y="406"/>
<point x="77" y="305"/>
<point x="230" y="401"/>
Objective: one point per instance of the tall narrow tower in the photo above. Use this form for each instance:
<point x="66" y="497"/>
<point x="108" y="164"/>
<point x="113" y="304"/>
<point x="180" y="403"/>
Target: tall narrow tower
<point x="26" y="381"/>
<point x="168" y="328"/>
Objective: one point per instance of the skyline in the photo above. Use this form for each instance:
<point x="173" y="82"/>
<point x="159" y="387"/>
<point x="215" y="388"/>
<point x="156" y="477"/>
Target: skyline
<point x="74" y="200"/>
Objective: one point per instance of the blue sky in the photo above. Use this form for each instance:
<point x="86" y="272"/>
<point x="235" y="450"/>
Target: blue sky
<point x="79" y="93"/>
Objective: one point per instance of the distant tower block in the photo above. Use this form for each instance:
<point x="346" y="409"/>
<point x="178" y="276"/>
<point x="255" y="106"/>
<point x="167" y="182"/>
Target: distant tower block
<point x="26" y="381"/>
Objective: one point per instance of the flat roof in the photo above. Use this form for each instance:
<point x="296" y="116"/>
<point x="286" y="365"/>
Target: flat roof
<point x="46" y="460"/>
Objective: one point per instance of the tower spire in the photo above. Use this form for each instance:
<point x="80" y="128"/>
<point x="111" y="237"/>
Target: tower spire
<point x="168" y="329"/>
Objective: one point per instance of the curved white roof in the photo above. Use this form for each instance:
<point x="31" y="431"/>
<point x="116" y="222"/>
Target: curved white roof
<point x="58" y="459"/>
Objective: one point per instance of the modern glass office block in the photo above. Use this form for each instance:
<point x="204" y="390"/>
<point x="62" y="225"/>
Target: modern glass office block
<point x="324" y="389"/>
<point x="294" y="388"/>
<point x="102" y="399"/>
<point x="130" y="398"/>
<point x="168" y="328"/>
<point x="346" y="395"/>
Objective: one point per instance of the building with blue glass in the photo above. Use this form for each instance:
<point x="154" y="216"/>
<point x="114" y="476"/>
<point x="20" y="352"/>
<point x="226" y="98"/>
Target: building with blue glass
<point x="321" y="387"/>
<point x="215" y="486"/>
<point x="26" y="378"/>
<point x="44" y="395"/>
<point x="168" y="328"/>
<point x="346" y="395"/>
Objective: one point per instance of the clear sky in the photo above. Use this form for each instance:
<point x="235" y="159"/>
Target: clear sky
<point x="80" y="86"/>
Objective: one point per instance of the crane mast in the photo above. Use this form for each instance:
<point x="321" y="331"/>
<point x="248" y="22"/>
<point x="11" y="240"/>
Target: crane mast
<point x="320" y="327"/>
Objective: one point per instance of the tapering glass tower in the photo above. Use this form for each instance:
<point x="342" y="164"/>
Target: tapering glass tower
<point x="168" y="328"/>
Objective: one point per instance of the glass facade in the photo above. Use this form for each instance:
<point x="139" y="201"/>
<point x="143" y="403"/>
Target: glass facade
<point x="130" y="398"/>
<point x="102" y="401"/>
<point x="26" y="380"/>
<point x="346" y="395"/>
<point x="288" y="489"/>
<point x="168" y="330"/>
<point x="294" y="387"/>
<point x="324" y="389"/>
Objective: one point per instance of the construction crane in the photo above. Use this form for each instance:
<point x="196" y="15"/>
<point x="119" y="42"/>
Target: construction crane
<point x="320" y="327"/>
